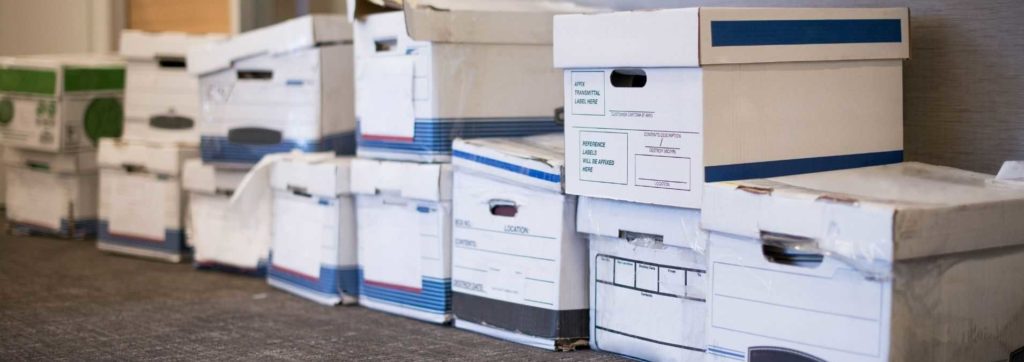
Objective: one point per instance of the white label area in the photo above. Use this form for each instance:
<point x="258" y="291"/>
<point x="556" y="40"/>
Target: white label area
<point x="304" y="232"/>
<point x="137" y="205"/>
<point x="604" y="157"/>
<point x="662" y="171"/>
<point x="401" y="241"/>
<point x="588" y="93"/>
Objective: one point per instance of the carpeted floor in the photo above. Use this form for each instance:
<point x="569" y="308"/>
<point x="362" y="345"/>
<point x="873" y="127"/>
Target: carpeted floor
<point x="64" y="300"/>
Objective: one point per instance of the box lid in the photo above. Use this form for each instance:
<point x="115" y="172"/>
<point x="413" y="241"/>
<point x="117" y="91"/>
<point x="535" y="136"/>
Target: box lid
<point x="141" y="45"/>
<point x="140" y="156"/>
<point x="61" y="73"/>
<point x="469" y="21"/>
<point x="691" y="37"/>
<point x="325" y="178"/>
<point x="533" y="161"/>
<point x="628" y="220"/>
<point x="62" y="163"/>
<point x="287" y="36"/>
<point x="875" y="214"/>
<point x="207" y="179"/>
<point x="420" y="181"/>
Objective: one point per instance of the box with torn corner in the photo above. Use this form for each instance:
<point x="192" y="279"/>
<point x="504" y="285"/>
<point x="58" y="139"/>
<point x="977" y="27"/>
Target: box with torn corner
<point x="519" y="268"/>
<point x="430" y="73"/>
<point x="51" y="193"/>
<point x="141" y="204"/>
<point x="659" y="102"/>
<point x="313" y="252"/>
<point x="60" y="103"/>
<point x="278" y="88"/>
<point x="222" y="240"/>
<point x="161" y="101"/>
<point x="904" y="262"/>
<point x="647" y="279"/>
<point x="403" y="217"/>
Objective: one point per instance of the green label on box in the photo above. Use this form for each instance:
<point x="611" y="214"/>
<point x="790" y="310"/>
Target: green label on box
<point x="28" y="81"/>
<point x="93" y="79"/>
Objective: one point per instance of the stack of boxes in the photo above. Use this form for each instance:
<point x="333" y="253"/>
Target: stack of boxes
<point x="658" y="103"/>
<point x="276" y="89"/>
<point x="53" y="112"/>
<point x="141" y="204"/>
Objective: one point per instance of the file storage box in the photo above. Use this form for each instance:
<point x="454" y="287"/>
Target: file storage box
<point x="51" y="194"/>
<point x="519" y="268"/>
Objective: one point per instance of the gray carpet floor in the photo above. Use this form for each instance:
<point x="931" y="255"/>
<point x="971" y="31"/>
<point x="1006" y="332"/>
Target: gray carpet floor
<point x="64" y="300"/>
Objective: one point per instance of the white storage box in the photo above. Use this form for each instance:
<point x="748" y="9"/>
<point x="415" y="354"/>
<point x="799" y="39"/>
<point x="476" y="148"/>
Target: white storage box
<point x="51" y="194"/>
<point x="219" y="239"/>
<point x="403" y="214"/>
<point x="274" y="89"/>
<point x="430" y="74"/>
<point x="313" y="253"/>
<point x="141" y="201"/>
<point x="519" y="269"/>
<point x="659" y="102"/>
<point x="3" y="181"/>
<point x="161" y="101"/>
<point x="647" y="279"/>
<point x="889" y="263"/>
<point x="60" y="103"/>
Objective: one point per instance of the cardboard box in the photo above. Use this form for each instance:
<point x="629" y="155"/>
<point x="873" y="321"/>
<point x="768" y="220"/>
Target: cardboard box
<point x="659" y="102"/>
<point x="51" y="194"/>
<point x="3" y="181"/>
<point x="647" y="279"/>
<point x="430" y="74"/>
<point x="274" y="89"/>
<point x="60" y="103"/>
<point x="141" y="201"/>
<point x="519" y="268"/>
<point x="161" y="101"/>
<point x="314" y="231"/>
<point x="403" y="218"/>
<point x="900" y="262"/>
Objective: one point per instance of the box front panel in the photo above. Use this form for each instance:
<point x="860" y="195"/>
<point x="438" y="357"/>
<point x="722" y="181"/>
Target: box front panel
<point x="792" y="307"/>
<point x="647" y="302"/>
<point x="57" y="204"/>
<point x="635" y="134"/>
<point x="507" y="259"/>
<point x="161" y="103"/>
<point x="218" y="238"/>
<point x="141" y="210"/>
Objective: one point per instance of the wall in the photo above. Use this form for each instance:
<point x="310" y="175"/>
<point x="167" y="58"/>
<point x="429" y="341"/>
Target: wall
<point x="963" y="87"/>
<point x="59" y="26"/>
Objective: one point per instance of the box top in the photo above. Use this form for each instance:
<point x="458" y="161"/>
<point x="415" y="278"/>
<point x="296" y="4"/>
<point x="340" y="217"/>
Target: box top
<point x="61" y="73"/>
<point x="140" y="156"/>
<point x="873" y="214"/>
<point x="672" y="226"/>
<point x="141" y="45"/>
<point x="692" y="37"/>
<point x="303" y="32"/>
<point x="207" y="179"/>
<point x="469" y="21"/>
<point x="420" y="181"/>
<point x="312" y="177"/>
<point x="533" y="161"/>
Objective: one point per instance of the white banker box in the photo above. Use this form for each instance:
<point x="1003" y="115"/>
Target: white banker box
<point x="220" y="239"/>
<point x="519" y="268"/>
<point x="430" y="73"/>
<point x="141" y="200"/>
<point x="905" y="262"/>
<point x="313" y="252"/>
<point x="404" y="216"/>
<point x="278" y="88"/>
<point x="60" y="103"/>
<point x="161" y="100"/>
<point x="647" y="279"/>
<point x="51" y="193"/>
<point x="659" y="102"/>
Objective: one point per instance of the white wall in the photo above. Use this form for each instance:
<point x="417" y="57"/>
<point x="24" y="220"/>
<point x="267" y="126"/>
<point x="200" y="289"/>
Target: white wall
<point x="59" y="26"/>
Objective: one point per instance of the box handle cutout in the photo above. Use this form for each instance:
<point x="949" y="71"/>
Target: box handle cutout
<point x="772" y="353"/>
<point x="255" y="74"/>
<point x="633" y="236"/>
<point x="506" y="208"/>
<point x="254" y="136"/>
<point x="37" y="165"/>
<point x="298" y="191"/>
<point x="133" y="168"/>
<point x="384" y="45"/>
<point x="629" y="78"/>
<point x="223" y="191"/>
<point x="171" y="122"/>
<point x="171" y="62"/>
<point x="790" y="250"/>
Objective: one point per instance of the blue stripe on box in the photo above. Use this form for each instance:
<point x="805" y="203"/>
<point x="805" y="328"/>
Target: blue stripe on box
<point x="435" y="136"/>
<point x="174" y="240"/>
<point x="797" y="32"/>
<point x="82" y="229"/>
<point x="434" y="297"/>
<point x="537" y="174"/>
<point x="332" y="280"/>
<point x="725" y="352"/>
<point x="217" y="149"/>
<point x="754" y="170"/>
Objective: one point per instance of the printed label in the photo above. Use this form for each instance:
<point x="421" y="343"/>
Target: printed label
<point x="588" y="93"/>
<point x="604" y="157"/>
